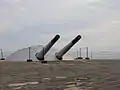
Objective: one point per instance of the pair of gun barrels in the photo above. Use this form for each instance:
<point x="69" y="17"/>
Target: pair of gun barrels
<point x="58" y="55"/>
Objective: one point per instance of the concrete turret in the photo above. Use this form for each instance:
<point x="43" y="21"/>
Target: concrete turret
<point x="59" y="55"/>
<point x="40" y="55"/>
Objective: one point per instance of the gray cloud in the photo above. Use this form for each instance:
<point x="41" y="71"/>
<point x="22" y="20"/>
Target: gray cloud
<point x="30" y="22"/>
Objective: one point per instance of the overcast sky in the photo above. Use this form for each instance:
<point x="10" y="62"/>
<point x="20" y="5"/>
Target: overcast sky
<point x="31" y="22"/>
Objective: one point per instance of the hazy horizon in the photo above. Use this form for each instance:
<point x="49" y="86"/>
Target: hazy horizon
<point x="22" y="54"/>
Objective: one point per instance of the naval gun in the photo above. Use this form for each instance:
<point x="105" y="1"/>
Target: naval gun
<point x="59" y="55"/>
<point x="40" y="55"/>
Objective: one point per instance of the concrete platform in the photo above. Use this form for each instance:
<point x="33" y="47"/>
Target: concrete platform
<point x="64" y="75"/>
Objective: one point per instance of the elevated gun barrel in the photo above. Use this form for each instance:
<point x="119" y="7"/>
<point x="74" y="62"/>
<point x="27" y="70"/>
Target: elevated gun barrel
<point x="60" y="54"/>
<point x="40" y="55"/>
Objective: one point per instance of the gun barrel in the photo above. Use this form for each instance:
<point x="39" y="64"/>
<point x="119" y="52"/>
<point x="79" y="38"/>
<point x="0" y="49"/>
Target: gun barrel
<point x="60" y="54"/>
<point x="40" y="55"/>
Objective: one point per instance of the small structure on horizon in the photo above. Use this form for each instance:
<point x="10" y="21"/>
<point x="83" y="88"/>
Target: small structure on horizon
<point x="29" y="54"/>
<point x="79" y="54"/>
<point x="87" y="56"/>
<point x="2" y="56"/>
<point x="91" y="55"/>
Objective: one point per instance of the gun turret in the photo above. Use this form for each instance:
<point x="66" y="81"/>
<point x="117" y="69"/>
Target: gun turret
<point x="40" y="55"/>
<point x="59" y="55"/>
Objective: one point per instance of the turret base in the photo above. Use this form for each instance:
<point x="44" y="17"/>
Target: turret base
<point x="87" y="58"/>
<point x="2" y="59"/>
<point x="29" y="60"/>
<point x="58" y="58"/>
<point x="40" y="59"/>
<point x="79" y="58"/>
<point x="43" y="61"/>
